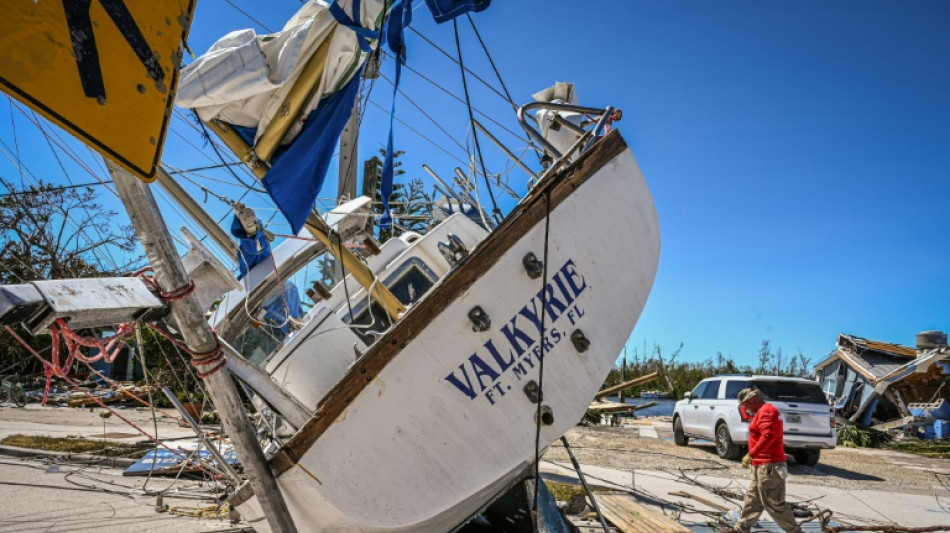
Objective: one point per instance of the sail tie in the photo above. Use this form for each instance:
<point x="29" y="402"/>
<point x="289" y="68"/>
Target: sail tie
<point x="364" y="35"/>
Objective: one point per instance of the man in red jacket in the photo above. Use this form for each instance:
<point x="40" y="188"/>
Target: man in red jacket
<point x="767" y="456"/>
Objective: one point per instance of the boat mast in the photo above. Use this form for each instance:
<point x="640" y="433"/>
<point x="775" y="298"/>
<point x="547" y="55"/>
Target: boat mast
<point x="200" y="339"/>
<point x="349" y="141"/>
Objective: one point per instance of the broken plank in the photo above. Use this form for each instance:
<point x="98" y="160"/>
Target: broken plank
<point x="627" y="384"/>
<point x="894" y="424"/>
<point x="700" y="499"/>
<point x="610" y="407"/>
<point x="630" y="516"/>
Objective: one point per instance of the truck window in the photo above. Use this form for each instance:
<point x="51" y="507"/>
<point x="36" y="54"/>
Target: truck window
<point x="712" y="390"/>
<point x="733" y="386"/>
<point x="698" y="391"/>
<point x="790" y="391"/>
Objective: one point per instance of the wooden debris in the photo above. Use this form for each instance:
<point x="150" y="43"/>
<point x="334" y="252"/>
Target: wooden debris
<point x="894" y="424"/>
<point x="629" y="516"/>
<point x="700" y="499"/>
<point x="633" y="382"/>
<point x="613" y="407"/>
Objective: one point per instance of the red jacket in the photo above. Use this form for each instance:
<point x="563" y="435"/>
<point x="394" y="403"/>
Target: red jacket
<point x="766" y="436"/>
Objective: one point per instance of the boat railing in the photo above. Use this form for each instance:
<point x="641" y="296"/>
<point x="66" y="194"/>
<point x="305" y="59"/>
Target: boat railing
<point x="604" y="116"/>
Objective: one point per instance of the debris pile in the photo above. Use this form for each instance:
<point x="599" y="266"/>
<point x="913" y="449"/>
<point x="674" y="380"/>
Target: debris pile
<point x="888" y="387"/>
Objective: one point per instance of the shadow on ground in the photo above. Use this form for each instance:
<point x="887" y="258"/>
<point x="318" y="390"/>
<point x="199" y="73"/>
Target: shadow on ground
<point x="821" y="469"/>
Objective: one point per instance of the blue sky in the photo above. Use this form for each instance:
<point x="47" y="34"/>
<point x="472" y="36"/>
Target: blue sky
<point x="798" y="153"/>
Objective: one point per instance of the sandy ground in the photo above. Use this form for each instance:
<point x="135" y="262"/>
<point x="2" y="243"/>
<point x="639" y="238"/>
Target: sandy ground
<point x="625" y="449"/>
<point x="40" y="494"/>
<point x="71" y="498"/>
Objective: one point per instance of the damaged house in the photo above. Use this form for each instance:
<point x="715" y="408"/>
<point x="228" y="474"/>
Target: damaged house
<point x="869" y="382"/>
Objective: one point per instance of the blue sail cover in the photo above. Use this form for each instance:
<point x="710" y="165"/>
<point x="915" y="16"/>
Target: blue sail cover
<point x="446" y="10"/>
<point x="299" y="169"/>
<point x="252" y="249"/>
<point x="297" y="174"/>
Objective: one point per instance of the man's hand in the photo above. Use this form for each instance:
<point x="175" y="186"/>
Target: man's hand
<point x="746" y="461"/>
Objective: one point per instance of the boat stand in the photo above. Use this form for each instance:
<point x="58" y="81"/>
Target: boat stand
<point x="580" y="476"/>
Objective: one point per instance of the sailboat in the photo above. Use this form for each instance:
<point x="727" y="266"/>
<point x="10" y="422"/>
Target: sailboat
<point x="435" y="372"/>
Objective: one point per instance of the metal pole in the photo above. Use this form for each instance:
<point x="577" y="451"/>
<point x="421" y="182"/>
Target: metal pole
<point x="580" y="476"/>
<point x="264" y="385"/>
<point x="448" y="189"/>
<point x="194" y="425"/>
<point x="505" y="149"/>
<point x="170" y="275"/>
<point x="349" y="141"/>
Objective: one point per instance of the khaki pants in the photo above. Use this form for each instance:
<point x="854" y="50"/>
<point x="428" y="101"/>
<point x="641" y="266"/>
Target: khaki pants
<point x="767" y="493"/>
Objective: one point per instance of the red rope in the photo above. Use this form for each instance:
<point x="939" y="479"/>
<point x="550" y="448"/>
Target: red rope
<point x="214" y="357"/>
<point x="169" y="296"/>
<point x="206" y="363"/>
<point x="152" y="438"/>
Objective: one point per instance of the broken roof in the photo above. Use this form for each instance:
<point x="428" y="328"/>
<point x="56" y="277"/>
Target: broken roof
<point x="872" y="359"/>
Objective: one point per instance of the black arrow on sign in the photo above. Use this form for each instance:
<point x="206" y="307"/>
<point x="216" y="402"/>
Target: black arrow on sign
<point x="86" y="52"/>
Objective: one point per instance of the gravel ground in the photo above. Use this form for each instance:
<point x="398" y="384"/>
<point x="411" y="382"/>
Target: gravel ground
<point x="623" y="448"/>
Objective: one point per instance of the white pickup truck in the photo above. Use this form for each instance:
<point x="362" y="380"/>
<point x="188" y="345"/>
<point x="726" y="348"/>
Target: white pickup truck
<point x="711" y="411"/>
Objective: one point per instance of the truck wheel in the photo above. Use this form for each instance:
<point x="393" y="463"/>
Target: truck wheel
<point x="806" y="457"/>
<point x="724" y="445"/>
<point x="679" y="438"/>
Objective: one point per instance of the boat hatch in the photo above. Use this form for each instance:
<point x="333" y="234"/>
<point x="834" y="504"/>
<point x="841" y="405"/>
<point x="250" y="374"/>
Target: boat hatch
<point x="408" y="283"/>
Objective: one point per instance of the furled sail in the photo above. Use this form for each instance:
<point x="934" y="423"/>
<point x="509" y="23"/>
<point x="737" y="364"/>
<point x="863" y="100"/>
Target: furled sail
<point x="298" y="84"/>
<point x="288" y="95"/>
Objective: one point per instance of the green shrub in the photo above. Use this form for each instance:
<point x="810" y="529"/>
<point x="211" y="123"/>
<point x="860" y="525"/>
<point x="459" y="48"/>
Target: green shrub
<point x="854" y="437"/>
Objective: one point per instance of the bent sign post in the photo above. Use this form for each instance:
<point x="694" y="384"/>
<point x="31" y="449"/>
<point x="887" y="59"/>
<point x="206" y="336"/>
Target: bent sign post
<point x="106" y="71"/>
<point x="103" y="70"/>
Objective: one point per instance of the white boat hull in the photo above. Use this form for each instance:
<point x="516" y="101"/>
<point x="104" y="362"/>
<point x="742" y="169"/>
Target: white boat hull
<point x="424" y="437"/>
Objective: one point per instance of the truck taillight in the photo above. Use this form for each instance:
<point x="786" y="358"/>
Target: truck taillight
<point x="743" y="414"/>
<point x="833" y="422"/>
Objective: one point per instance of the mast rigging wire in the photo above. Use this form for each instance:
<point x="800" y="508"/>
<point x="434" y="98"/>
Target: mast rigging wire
<point x="458" y="62"/>
<point x="491" y="61"/>
<point x="544" y="304"/>
<point x="457" y="98"/>
<point x="425" y="114"/>
<point x="249" y="16"/>
<point x="496" y="212"/>
<point x="95" y="251"/>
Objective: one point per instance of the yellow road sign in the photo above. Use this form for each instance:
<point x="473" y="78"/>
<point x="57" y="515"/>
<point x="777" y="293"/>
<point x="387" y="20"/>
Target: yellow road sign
<point x="105" y="70"/>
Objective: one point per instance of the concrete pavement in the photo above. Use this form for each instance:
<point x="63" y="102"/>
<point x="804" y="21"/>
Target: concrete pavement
<point x="69" y="498"/>
<point x="851" y="506"/>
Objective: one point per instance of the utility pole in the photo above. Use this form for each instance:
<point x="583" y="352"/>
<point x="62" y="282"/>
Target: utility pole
<point x="198" y="336"/>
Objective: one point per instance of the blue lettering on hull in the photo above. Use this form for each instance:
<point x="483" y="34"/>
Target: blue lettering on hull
<point x="519" y="347"/>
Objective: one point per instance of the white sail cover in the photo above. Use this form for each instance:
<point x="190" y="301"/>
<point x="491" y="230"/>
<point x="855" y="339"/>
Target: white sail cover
<point x="244" y="77"/>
